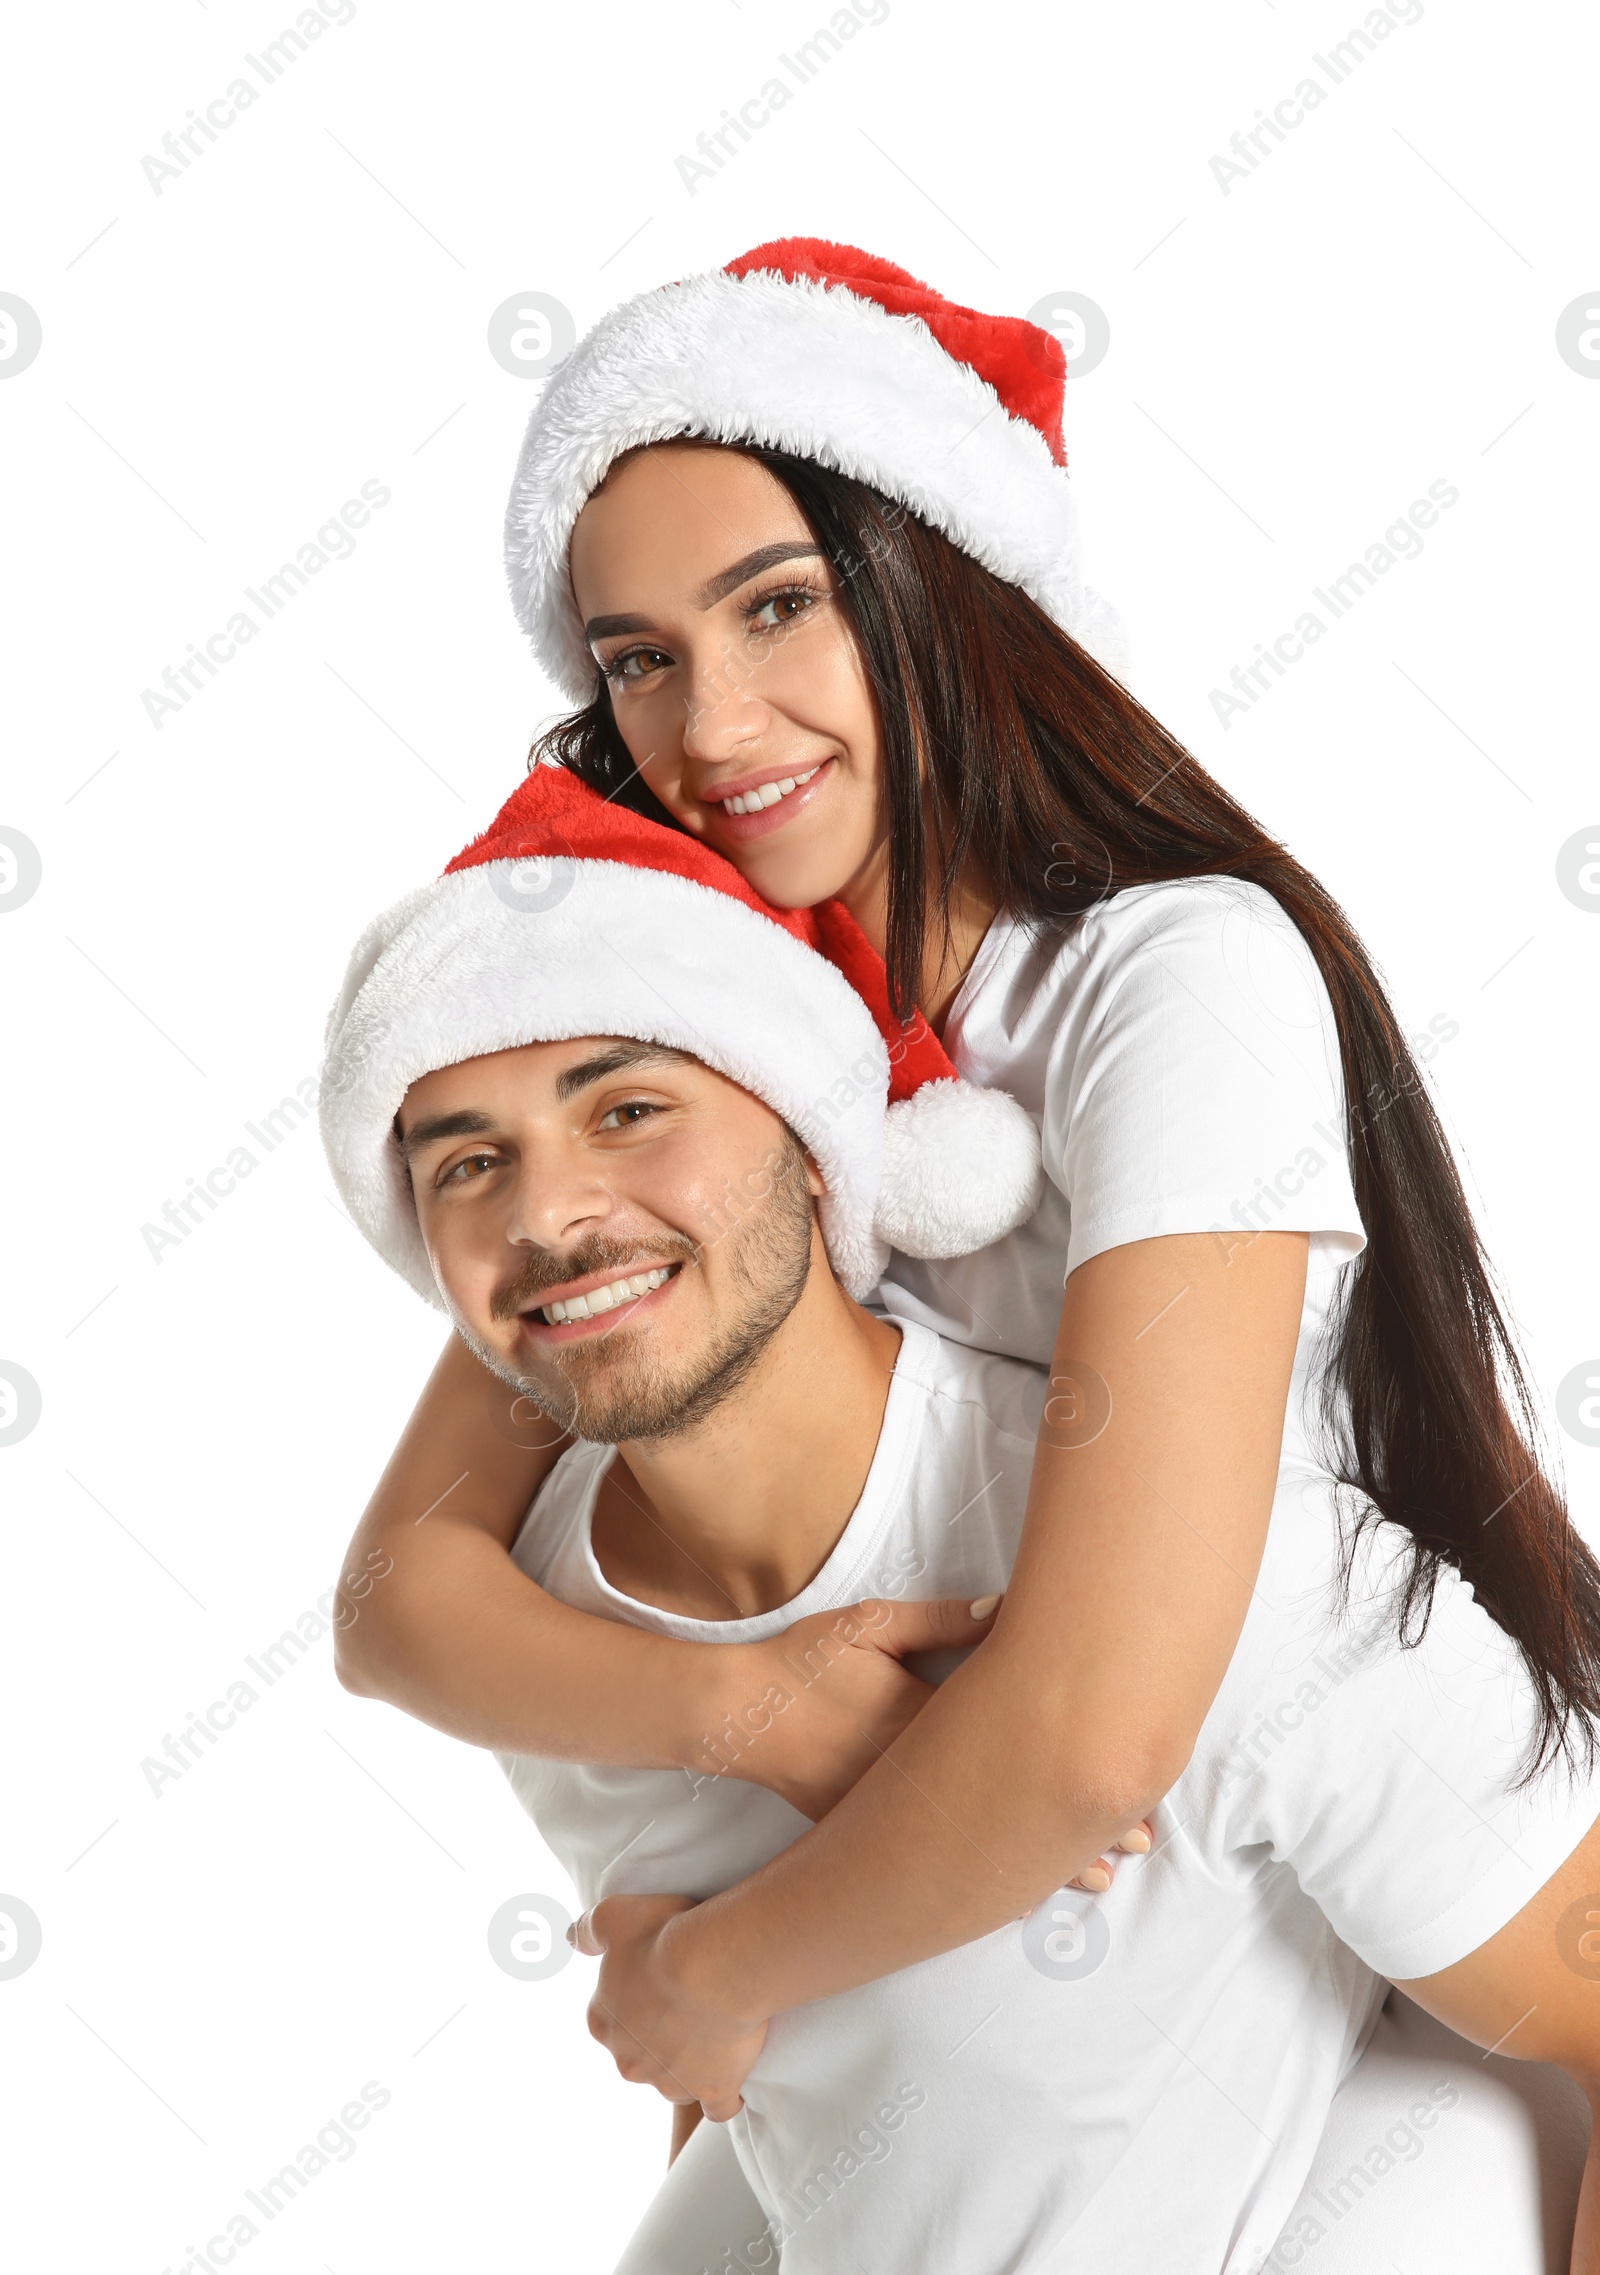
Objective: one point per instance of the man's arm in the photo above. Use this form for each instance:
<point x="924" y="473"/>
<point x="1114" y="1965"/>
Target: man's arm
<point x="1148" y="1512"/>
<point x="1521" y="1995"/>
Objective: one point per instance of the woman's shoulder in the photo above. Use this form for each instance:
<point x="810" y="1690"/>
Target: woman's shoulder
<point x="1212" y="912"/>
<point x="1170" y="1007"/>
<point x="1209" y="937"/>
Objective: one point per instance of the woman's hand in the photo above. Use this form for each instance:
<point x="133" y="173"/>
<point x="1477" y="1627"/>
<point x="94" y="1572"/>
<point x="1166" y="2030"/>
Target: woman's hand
<point x="808" y="1712"/>
<point x="657" y="2029"/>
<point x="664" y="2029"/>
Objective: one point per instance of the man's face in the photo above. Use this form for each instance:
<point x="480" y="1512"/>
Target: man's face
<point x="617" y="1231"/>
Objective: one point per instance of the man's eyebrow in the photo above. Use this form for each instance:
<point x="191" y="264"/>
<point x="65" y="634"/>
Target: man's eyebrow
<point x="616" y="1059"/>
<point x="441" y="1126"/>
<point x="715" y="588"/>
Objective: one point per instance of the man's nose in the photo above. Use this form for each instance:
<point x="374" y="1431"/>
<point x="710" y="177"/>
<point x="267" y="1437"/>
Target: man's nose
<point x="555" y="1201"/>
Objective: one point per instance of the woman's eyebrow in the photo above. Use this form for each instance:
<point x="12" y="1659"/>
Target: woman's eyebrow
<point x="715" y="588"/>
<point x="751" y="565"/>
<point x="602" y="627"/>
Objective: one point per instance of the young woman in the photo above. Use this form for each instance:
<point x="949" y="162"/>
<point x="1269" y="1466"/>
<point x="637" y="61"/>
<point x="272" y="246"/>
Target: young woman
<point x="799" y="538"/>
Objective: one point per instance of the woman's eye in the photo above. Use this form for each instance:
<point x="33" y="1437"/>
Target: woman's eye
<point x="780" y="608"/>
<point x="627" y="1117"/>
<point x="636" y="663"/>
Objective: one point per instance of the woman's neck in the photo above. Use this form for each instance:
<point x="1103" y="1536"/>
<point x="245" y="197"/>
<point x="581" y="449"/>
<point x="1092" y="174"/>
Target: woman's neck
<point x="948" y="949"/>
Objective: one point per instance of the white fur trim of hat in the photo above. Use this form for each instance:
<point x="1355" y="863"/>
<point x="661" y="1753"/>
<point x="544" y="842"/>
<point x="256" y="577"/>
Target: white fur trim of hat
<point x="829" y="354"/>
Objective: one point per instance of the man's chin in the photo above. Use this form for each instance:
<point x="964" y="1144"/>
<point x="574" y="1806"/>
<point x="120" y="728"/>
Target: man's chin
<point x="603" y="1397"/>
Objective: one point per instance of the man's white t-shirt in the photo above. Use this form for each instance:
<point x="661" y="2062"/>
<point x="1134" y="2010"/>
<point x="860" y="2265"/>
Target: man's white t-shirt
<point x="1141" y="2077"/>
<point x="1177" y="1047"/>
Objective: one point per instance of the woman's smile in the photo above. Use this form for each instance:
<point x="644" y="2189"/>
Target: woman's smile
<point x="757" y="803"/>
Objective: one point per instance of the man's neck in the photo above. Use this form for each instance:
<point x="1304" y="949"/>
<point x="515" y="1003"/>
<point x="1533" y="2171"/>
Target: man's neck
<point x="736" y="1516"/>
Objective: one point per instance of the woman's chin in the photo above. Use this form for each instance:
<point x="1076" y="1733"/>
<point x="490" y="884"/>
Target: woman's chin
<point x="793" y="876"/>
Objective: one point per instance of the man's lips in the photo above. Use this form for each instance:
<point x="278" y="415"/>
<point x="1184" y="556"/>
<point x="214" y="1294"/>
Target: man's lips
<point x="627" y="1300"/>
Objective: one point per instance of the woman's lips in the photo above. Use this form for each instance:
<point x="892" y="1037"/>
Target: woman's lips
<point x="742" y="828"/>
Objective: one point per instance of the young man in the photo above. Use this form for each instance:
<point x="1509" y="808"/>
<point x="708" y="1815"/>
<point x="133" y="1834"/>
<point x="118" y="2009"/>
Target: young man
<point x="655" y="1221"/>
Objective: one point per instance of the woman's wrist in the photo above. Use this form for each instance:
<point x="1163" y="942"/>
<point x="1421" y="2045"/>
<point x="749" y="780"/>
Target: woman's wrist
<point x="697" y="1960"/>
<point x="695" y="1699"/>
<point x="717" y="1692"/>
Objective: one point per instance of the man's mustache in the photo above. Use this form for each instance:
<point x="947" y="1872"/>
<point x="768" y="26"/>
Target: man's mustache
<point x="539" y="1271"/>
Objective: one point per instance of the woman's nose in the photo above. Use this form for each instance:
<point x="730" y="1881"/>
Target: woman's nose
<point x="722" y="712"/>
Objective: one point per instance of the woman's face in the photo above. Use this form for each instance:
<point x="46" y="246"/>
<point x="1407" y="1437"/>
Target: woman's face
<point x="735" y="679"/>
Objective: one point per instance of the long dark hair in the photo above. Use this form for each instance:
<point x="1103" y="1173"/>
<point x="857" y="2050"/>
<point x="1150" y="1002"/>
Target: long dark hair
<point x="1007" y="748"/>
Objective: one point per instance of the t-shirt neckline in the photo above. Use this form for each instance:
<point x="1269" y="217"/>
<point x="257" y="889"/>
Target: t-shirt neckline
<point x="852" y="1552"/>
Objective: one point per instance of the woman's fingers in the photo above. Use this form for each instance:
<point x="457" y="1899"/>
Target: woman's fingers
<point x="1096" y="1878"/>
<point x="582" y="1937"/>
<point x="943" y="1623"/>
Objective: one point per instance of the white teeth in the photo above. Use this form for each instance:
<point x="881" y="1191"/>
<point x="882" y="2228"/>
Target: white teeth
<point x="600" y="1300"/>
<point x="757" y="801"/>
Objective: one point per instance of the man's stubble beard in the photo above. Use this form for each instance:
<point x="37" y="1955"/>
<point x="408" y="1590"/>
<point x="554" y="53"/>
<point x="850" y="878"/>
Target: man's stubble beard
<point x="614" y="1391"/>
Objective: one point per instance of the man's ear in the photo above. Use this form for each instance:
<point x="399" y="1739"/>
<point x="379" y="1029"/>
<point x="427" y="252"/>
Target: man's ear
<point x="816" y="1183"/>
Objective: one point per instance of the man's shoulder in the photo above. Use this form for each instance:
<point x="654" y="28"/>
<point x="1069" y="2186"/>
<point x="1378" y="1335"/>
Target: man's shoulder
<point x="969" y="1391"/>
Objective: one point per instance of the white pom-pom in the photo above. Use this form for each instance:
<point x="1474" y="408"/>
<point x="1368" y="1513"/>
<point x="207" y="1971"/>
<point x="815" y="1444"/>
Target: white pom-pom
<point x="961" y="1168"/>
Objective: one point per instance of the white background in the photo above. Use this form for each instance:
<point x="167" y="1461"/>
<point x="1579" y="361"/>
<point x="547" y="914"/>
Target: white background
<point x="304" y="308"/>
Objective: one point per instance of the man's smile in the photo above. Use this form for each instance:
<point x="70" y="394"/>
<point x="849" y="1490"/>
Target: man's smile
<point x="583" y="1304"/>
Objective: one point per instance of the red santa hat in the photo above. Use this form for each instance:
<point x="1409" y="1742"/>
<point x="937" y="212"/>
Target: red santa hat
<point x="827" y="353"/>
<point x="571" y="916"/>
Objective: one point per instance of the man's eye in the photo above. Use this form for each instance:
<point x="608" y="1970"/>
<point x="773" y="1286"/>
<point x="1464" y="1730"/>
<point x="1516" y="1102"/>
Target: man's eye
<point x="465" y="1171"/>
<point x="627" y="1117"/>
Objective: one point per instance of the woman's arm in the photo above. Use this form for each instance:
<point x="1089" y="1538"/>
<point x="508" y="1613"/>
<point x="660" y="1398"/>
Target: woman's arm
<point x="1522" y="1994"/>
<point x="434" y="1617"/>
<point x="452" y="1631"/>
<point x="1140" y="1548"/>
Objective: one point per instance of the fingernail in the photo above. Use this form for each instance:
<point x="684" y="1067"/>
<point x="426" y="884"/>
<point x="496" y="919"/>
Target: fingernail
<point x="1137" y="1842"/>
<point x="1095" y="1880"/>
<point x="572" y="1934"/>
<point x="983" y="1607"/>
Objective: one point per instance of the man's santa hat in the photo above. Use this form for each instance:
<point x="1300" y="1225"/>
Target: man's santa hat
<point x="570" y="917"/>
<point x="827" y="353"/>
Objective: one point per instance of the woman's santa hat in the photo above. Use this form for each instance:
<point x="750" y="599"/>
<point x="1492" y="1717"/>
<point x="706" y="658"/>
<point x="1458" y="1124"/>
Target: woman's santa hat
<point x="571" y="916"/>
<point x="827" y="353"/>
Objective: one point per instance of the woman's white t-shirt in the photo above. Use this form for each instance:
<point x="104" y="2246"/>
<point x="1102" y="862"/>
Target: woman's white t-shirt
<point x="1177" y="1047"/>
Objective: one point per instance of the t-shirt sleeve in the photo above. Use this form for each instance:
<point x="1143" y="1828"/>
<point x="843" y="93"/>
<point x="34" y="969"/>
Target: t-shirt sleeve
<point x="1386" y="1778"/>
<point x="1196" y="1084"/>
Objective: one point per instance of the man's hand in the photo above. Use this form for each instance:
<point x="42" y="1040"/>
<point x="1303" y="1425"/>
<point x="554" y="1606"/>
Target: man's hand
<point x="655" y="2028"/>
